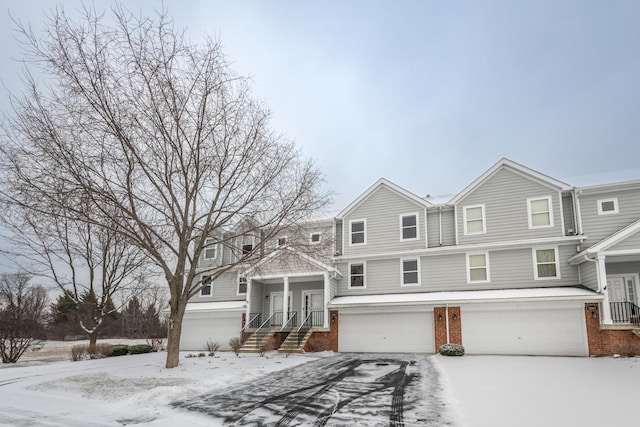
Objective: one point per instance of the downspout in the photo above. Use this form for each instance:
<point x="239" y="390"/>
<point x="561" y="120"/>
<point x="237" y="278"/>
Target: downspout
<point x="576" y="211"/>
<point x="440" y="224"/>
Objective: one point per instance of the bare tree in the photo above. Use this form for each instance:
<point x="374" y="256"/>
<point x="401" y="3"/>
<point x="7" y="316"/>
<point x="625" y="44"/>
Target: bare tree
<point x="22" y="315"/>
<point x="156" y="134"/>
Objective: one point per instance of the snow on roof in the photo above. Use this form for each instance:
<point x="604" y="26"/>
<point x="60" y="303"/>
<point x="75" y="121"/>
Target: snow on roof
<point x="466" y="296"/>
<point x="215" y="306"/>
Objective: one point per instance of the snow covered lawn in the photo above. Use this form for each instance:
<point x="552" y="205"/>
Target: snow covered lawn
<point x="480" y="390"/>
<point x="496" y="391"/>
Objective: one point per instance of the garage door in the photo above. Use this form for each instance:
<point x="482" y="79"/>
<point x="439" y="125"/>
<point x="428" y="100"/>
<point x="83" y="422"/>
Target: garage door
<point x="386" y="331"/>
<point x="524" y="329"/>
<point x="198" y="328"/>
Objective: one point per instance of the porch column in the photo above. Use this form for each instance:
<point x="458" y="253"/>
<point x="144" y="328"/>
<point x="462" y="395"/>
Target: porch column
<point x="285" y="301"/>
<point x="327" y="290"/>
<point x="602" y="282"/>
<point x="248" y="300"/>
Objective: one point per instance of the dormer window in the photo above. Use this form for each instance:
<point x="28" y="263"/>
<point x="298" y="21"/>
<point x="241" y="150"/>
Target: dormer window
<point x="209" y="249"/>
<point x="474" y="220"/>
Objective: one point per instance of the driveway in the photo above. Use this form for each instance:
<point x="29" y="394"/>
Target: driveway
<point x="346" y="389"/>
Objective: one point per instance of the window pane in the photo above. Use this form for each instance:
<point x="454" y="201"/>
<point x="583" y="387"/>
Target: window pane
<point x="547" y="270"/>
<point x="410" y="278"/>
<point x="477" y="261"/>
<point x="242" y="288"/>
<point x="282" y="241"/>
<point x="206" y="280"/>
<point x="474" y="226"/>
<point x="357" y="269"/>
<point x="411" y="265"/>
<point x="409" y="233"/>
<point x="315" y="237"/>
<point x="357" y="226"/>
<point x="546" y="255"/>
<point x="357" y="281"/>
<point x="608" y="206"/>
<point x="540" y="219"/>
<point x="478" y="274"/>
<point x="357" y="237"/>
<point x="206" y="290"/>
<point x="246" y="249"/>
<point x="541" y="205"/>
<point x="474" y="213"/>
<point x="409" y="221"/>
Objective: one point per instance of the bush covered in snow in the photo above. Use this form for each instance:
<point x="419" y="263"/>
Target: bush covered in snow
<point x="451" y="350"/>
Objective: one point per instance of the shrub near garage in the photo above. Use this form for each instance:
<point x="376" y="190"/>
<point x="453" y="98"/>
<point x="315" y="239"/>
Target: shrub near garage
<point x="451" y="350"/>
<point x="140" y="348"/>
<point x="120" y="350"/>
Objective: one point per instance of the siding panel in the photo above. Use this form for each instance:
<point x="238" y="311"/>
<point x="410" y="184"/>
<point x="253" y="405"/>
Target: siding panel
<point x="597" y="227"/>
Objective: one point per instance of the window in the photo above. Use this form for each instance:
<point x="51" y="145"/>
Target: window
<point x="545" y="264"/>
<point x="477" y="267"/>
<point x="206" y="286"/>
<point x="410" y="272"/>
<point x="356" y="275"/>
<point x="540" y="212"/>
<point x="608" y="206"/>
<point x="282" y="241"/>
<point x="209" y="249"/>
<point x="315" y="238"/>
<point x="474" y="220"/>
<point x="358" y="232"/>
<point x="246" y="249"/>
<point x="242" y="285"/>
<point x="409" y="227"/>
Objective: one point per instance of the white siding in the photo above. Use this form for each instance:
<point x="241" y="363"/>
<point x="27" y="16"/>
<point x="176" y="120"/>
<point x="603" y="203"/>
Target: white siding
<point x="589" y="275"/>
<point x="631" y="242"/>
<point x="597" y="227"/>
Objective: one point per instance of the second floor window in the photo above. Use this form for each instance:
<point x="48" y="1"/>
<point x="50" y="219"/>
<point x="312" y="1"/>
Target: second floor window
<point x="356" y="275"/>
<point x="540" y="212"/>
<point x="315" y="238"/>
<point x="608" y="206"/>
<point x="282" y="241"/>
<point x="409" y="226"/>
<point x="358" y="232"/>
<point x="246" y="249"/>
<point x="206" y="286"/>
<point x="477" y="268"/>
<point x="546" y="264"/>
<point x="410" y="272"/>
<point x="474" y="219"/>
<point x="242" y="285"/>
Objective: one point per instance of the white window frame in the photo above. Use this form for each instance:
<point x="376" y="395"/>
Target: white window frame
<point x="417" y="216"/>
<point x="402" y="261"/>
<point x="210" y="286"/>
<point x="549" y="200"/>
<point x="615" y="206"/>
<point x="238" y="285"/>
<point x="243" y="244"/>
<point x="535" y="262"/>
<point x="364" y="221"/>
<point x="484" y="220"/>
<point x="207" y="247"/>
<point x="285" y="238"/>
<point x="364" y="275"/>
<point x="311" y="238"/>
<point x="486" y="266"/>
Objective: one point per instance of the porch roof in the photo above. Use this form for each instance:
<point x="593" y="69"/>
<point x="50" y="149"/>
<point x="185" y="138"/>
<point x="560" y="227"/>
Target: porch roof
<point x="216" y="306"/>
<point x="457" y="297"/>
<point x="607" y="243"/>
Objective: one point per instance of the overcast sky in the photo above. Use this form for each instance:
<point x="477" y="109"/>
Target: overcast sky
<point x="426" y="94"/>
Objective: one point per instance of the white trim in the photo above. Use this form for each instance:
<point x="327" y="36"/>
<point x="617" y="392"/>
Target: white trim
<point x="615" y="206"/>
<point x="561" y="206"/>
<point x="311" y="238"/>
<point x="621" y="252"/>
<point x="607" y="242"/>
<point x="417" y="216"/>
<point x="516" y="167"/>
<point x="426" y="229"/>
<point x="238" y="285"/>
<point x="455" y="222"/>
<point x="364" y="275"/>
<point x="351" y="221"/>
<point x="210" y="294"/>
<point x="408" y="285"/>
<point x="493" y="246"/>
<point x="383" y="182"/>
<point x="550" y="212"/>
<point x="465" y="220"/>
<point x="556" y="253"/>
<point x="309" y="292"/>
<point x="207" y="246"/>
<point x="486" y="267"/>
<point x="302" y="255"/>
<point x="283" y="274"/>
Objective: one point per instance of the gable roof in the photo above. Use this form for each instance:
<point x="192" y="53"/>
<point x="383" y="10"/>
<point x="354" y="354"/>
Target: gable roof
<point x="319" y="264"/>
<point x="382" y="182"/>
<point x="607" y="242"/>
<point x="505" y="163"/>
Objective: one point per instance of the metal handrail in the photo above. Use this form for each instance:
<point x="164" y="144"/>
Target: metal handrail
<point x="291" y="322"/>
<point x="625" y="312"/>
<point x="254" y="320"/>
<point x="304" y="327"/>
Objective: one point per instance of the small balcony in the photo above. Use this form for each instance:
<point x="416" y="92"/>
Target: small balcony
<point x="625" y="312"/>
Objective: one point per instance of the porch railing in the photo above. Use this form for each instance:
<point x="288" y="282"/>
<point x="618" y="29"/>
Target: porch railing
<point x="314" y="318"/>
<point x="254" y="321"/>
<point x="264" y="329"/>
<point x="625" y="312"/>
<point x="276" y="318"/>
<point x="292" y="321"/>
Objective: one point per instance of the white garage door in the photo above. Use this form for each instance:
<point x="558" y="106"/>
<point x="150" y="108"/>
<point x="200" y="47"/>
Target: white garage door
<point x="526" y="329"/>
<point x="386" y="331"/>
<point x="198" y="328"/>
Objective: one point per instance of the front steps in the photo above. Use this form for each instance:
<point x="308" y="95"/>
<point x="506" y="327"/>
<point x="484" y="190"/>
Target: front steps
<point x="255" y="341"/>
<point x="290" y="345"/>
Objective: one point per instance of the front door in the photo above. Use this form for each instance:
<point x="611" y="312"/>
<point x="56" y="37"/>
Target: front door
<point x="277" y="307"/>
<point x="313" y="302"/>
<point x="622" y="291"/>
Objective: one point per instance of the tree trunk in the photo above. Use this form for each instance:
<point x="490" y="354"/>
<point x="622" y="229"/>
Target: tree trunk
<point x="173" y="339"/>
<point x="93" y="337"/>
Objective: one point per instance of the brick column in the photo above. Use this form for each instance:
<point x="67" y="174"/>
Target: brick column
<point x="439" y="326"/>
<point x="455" y="325"/>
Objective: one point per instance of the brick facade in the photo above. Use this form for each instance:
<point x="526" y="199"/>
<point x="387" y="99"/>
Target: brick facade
<point x="440" y="326"/>
<point x="325" y="341"/>
<point x="607" y="342"/>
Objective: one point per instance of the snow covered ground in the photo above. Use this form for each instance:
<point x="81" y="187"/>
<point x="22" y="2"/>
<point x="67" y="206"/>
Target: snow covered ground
<point x="481" y="390"/>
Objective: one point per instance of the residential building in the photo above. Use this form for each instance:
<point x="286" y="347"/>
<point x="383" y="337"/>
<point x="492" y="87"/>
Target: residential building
<point x="516" y="263"/>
